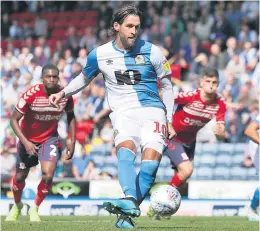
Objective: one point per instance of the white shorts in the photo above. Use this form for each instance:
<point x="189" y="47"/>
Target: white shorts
<point x="146" y="127"/>
<point x="253" y="150"/>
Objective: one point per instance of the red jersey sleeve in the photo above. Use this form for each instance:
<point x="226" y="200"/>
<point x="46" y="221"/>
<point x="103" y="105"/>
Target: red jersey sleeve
<point x="185" y="97"/>
<point x="220" y="116"/>
<point x="70" y="105"/>
<point x="26" y="99"/>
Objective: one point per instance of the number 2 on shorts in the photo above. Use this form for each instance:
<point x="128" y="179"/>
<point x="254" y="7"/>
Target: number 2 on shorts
<point x="53" y="151"/>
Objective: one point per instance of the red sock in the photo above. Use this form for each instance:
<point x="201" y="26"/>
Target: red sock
<point x="176" y="181"/>
<point x="42" y="192"/>
<point x="17" y="189"/>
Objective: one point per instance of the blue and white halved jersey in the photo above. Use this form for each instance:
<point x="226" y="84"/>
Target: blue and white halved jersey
<point x="130" y="76"/>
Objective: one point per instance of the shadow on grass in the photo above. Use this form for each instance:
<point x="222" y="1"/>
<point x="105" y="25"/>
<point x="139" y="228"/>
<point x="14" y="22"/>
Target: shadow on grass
<point x="169" y="228"/>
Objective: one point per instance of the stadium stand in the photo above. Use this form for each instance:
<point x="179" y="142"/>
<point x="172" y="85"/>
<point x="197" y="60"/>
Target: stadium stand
<point x="186" y="31"/>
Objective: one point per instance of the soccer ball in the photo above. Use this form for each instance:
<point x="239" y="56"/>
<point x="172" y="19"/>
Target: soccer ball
<point x="165" y="200"/>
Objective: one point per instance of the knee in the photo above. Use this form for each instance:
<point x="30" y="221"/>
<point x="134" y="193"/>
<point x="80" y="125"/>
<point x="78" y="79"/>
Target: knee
<point x="20" y="178"/>
<point x="125" y="154"/>
<point x="47" y="178"/>
<point x="185" y="169"/>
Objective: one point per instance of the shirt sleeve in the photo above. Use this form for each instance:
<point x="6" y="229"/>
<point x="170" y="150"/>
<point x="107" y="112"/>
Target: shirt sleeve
<point x="185" y="97"/>
<point x="70" y="105"/>
<point x="160" y="63"/>
<point x="91" y="69"/>
<point x="26" y="99"/>
<point x="220" y="117"/>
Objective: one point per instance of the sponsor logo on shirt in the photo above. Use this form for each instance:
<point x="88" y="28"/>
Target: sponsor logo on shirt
<point x="47" y="117"/>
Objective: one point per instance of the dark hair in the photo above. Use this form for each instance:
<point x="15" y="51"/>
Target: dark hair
<point x="121" y="14"/>
<point x="49" y="67"/>
<point x="211" y="72"/>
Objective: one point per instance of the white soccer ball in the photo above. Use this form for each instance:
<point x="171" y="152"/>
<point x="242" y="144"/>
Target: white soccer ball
<point x="165" y="200"/>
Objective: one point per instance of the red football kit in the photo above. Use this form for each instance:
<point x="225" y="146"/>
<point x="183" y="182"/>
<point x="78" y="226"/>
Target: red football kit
<point x="40" y="120"/>
<point x="193" y="113"/>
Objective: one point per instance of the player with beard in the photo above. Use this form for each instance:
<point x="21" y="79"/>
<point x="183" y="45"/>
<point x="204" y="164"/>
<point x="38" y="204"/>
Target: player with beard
<point x="35" y="122"/>
<point x="131" y="68"/>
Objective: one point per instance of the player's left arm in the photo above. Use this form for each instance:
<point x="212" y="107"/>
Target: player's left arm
<point x="220" y="128"/>
<point x="251" y="131"/>
<point x="163" y="71"/>
<point x="72" y="128"/>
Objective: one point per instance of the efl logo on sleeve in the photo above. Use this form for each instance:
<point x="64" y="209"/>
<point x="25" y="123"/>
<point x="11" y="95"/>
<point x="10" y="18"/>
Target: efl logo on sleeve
<point x="166" y="65"/>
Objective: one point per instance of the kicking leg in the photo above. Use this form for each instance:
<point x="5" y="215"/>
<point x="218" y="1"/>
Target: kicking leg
<point x="149" y="166"/>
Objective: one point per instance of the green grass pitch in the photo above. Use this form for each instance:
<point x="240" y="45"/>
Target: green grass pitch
<point x="89" y="223"/>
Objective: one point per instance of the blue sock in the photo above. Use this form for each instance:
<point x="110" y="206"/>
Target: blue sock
<point x="146" y="178"/>
<point x="126" y="171"/>
<point x="255" y="201"/>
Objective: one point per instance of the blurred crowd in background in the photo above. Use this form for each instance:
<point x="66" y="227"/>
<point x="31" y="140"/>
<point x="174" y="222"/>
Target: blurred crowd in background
<point x="192" y="35"/>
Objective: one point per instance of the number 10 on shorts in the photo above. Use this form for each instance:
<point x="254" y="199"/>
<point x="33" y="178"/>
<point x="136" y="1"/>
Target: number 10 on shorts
<point x="160" y="128"/>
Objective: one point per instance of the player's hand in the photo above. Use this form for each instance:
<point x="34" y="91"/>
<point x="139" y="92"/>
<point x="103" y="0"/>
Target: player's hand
<point x="171" y="132"/>
<point x="54" y="99"/>
<point x="31" y="148"/>
<point x="219" y="131"/>
<point x="70" y="151"/>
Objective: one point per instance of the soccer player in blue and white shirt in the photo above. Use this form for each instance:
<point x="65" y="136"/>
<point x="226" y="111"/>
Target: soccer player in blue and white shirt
<point x="252" y="131"/>
<point x="131" y="68"/>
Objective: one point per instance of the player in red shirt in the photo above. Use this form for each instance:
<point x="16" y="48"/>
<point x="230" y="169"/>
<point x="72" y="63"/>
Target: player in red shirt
<point x="194" y="110"/>
<point x="38" y="138"/>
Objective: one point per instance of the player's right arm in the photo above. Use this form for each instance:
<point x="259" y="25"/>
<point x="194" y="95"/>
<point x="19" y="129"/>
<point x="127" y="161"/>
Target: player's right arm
<point x="19" y="111"/>
<point x="88" y="73"/>
<point x="29" y="146"/>
<point x="251" y="131"/>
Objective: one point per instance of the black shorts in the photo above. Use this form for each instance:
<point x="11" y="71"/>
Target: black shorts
<point x="178" y="152"/>
<point x="48" y="151"/>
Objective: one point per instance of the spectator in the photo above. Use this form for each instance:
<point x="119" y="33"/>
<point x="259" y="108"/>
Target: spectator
<point x="39" y="56"/>
<point x="5" y="25"/>
<point x="82" y="58"/>
<point x="234" y="17"/>
<point x="45" y="47"/>
<point x="221" y="28"/>
<point x="231" y="49"/>
<point x="237" y="66"/>
<point x="84" y="101"/>
<point x="40" y="27"/>
<point x="11" y="90"/>
<point x="72" y="41"/>
<point x="89" y="40"/>
<point x="216" y="58"/>
<point x="199" y="64"/>
<point x="10" y="141"/>
<point x="27" y="31"/>
<point x="25" y="55"/>
<point x="192" y="50"/>
<point x="247" y="35"/>
<point x="36" y="71"/>
<point x="82" y="166"/>
<point x="204" y="25"/>
<point x="249" y="56"/>
<point x="7" y="170"/>
<point x="15" y="30"/>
